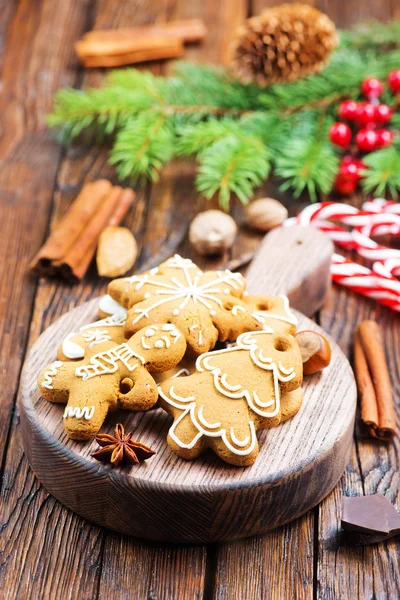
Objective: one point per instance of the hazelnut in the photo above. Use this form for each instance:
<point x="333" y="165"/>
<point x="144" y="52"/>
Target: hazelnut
<point x="265" y="214"/>
<point x="315" y="351"/>
<point x="212" y="232"/>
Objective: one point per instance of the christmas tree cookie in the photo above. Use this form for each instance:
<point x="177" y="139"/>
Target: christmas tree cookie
<point x="204" y="306"/>
<point x="118" y="376"/>
<point x="253" y="385"/>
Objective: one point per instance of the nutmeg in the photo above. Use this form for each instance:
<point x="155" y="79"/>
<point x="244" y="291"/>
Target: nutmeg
<point x="212" y="232"/>
<point x="315" y="351"/>
<point x="265" y="214"/>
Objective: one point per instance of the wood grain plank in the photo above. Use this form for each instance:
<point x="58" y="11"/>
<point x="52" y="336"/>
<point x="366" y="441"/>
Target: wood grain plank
<point x="72" y="537"/>
<point x="28" y="163"/>
<point x="372" y="571"/>
<point x="37" y="60"/>
<point x="275" y="565"/>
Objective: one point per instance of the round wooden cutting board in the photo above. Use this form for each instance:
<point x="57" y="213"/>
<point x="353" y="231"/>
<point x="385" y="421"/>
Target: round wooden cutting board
<point x="206" y="500"/>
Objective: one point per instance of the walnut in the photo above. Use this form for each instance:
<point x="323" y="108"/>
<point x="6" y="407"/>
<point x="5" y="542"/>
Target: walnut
<point x="212" y="232"/>
<point x="265" y="214"/>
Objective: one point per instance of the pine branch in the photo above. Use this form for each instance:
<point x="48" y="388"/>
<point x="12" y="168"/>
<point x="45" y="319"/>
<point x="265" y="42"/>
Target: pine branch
<point x="237" y="132"/>
<point x="383" y="173"/>
<point x="143" y="146"/>
<point x="308" y="161"/>
<point x="372" y="35"/>
<point x="232" y="165"/>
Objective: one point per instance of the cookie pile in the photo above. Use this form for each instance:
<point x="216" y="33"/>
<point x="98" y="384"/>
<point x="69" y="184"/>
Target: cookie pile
<point x="156" y="339"/>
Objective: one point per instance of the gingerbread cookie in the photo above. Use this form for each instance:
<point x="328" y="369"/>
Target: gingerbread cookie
<point x="205" y="306"/>
<point x="109" y="307"/>
<point x="117" y="377"/>
<point x="233" y="393"/>
<point x="273" y="312"/>
<point x="93" y="335"/>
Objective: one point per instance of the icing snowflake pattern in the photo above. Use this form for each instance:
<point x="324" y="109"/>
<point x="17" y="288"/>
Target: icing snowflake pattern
<point x="192" y="290"/>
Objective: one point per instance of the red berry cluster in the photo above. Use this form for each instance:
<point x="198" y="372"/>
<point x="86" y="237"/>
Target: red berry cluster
<point x="366" y="121"/>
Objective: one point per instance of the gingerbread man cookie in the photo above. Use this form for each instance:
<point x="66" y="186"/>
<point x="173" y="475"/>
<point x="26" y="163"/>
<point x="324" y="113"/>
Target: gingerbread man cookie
<point x="116" y="377"/>
<point x="93" y="335"/>
<point x="273" y="312"/>
<point x="205" y="306"/>
<point x="253" y="385"/>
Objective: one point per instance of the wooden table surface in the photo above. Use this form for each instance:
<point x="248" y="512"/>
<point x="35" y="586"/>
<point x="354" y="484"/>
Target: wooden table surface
<point x="45" y="550"/>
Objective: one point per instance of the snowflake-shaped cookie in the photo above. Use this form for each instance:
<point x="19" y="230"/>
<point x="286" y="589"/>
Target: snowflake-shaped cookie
<point x="205" y="306"/>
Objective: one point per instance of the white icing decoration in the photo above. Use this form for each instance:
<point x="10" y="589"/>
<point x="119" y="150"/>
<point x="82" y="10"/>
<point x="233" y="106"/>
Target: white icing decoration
<point x="145" y="345"/>
<point x="147" y="295"/>
<point x="158" y="344"/>
<point x="50" y="373"/>
<point x="238" y="442"/>
<point x="181" y="372"/>
<point x="71" y="349"/>
<point x="262" y="316"/>
<point x="231" y="388"/>
<point x="78" y="413"/>
<point x="190" y="290"/>
<point x="166" y="340"/>
<point x="96" y="336"/>
<point x="206" y="423"/>
<point x="212" y="313"/>
<point x="245" y="342"/>
<point x="109" y="306"/>
<point x="149" y="332"/>
<point x="107" y="362"/>
<point x="226" y="291"/>
<point x="236" y="309"/>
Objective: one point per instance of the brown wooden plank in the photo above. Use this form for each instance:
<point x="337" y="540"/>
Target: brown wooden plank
<point x="72" y="537"/>
<point x="28" y="162"/>
<point x="275" y="565"/>
<point x="374" y="570"/>
<point x="36" y="62"/>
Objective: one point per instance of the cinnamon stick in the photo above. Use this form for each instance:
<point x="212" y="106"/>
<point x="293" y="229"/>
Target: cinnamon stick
<point x="107" y="42"/>
<point x="66" y="232"/>
<point x="75" y="263"/>
<point x="157" y="48"/>
<point x="373" y="380"/>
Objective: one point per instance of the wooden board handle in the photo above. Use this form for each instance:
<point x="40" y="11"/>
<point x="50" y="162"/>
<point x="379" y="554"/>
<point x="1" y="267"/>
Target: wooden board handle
<point x="294" y="261"/>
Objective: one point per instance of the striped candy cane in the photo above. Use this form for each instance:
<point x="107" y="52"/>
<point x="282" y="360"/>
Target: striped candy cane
<point x="377" y="217"/>
<point x="366" y="282"/>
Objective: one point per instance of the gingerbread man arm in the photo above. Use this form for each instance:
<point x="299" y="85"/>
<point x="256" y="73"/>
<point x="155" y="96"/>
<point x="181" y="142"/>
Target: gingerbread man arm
<point x="54" y="379"/>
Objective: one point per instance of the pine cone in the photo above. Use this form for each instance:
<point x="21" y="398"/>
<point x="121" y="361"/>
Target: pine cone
<point x="283" y="43"/>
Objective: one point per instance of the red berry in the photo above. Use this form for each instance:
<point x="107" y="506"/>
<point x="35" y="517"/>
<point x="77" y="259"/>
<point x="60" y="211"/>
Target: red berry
<point x="348" y="110"/>
<point x="372" y="87"/>
<point x="350" y="169"/>
<point x="343" y="187"/>
<point x="365" y="114"/>
<point x="383" y="114"/>
<point x="385" y="137"/>
<point x="340" y="134"/>
<point x="394" y="81"/>
<point x="366" y="140"/>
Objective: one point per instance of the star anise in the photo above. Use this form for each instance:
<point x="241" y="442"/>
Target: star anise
<point x="120" y="448"/>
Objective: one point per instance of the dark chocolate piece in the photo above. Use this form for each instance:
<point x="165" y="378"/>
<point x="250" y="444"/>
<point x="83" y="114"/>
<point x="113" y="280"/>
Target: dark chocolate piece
<point x="369" y="519"/>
